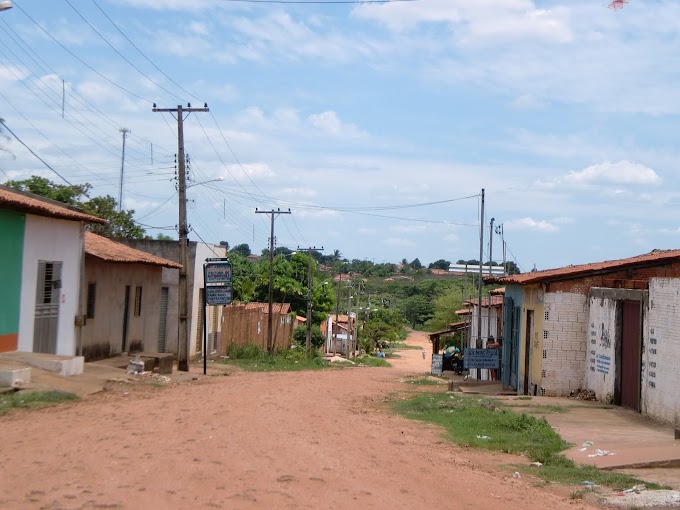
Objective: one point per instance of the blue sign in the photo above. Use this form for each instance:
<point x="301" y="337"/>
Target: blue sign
<point x="481" y="358"/>
<point x="217" y="272"/>
<point x="218" y="295"/>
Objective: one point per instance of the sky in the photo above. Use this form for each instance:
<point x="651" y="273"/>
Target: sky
<point x="377" y="124"/>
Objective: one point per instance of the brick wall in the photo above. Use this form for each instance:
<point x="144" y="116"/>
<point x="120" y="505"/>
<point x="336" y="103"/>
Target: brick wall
<point x="564" y="343"/>
<point x="661" y="352"/>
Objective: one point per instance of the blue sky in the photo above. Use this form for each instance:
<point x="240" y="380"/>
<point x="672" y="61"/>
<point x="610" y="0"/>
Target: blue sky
<point x="566" y="113"/>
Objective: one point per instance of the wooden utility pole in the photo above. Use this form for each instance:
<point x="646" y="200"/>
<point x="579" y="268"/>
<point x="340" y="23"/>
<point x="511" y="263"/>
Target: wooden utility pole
<point x="309" y="250"/>
<point x="479" y="283"/>
<point x="125" y="131"/>
<point x="273" y="214"/>
<point x="183" y="326"/>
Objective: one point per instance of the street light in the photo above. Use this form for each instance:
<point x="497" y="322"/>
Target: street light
<point x="5" y="4"/>
<point x="218" y="179"/>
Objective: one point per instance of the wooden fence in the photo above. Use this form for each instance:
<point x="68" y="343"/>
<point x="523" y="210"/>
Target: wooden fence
<point x="246" y="325"/>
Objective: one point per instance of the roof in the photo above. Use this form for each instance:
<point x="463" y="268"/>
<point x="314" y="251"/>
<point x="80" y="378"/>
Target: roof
<point x="40" y="206"/>
<point x="111" y="251"/>
<point x="453" y="328"/>
<point x="464" y="311"/>
<point x="653" y="258"/>
<point x="496" y="300"/>
<point x="497" y="292"/>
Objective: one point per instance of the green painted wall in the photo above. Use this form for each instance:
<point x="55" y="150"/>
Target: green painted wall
<point x="12" y="226"/>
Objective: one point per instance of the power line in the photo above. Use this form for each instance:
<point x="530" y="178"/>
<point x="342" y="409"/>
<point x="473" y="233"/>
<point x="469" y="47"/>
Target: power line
<point x="31" y="151"/>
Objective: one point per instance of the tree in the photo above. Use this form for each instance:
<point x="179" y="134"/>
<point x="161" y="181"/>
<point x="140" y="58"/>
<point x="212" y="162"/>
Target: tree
<point x="241" y="249"/>
<point x="512" y="268"/>
<point x="120" y="224"/>
<point x="66" y="194"/>
<point x="300" y="336"/>
<point x="163" y="237"/>
<point x="417" y="310"/>
<point x="440" y="264"/>
<point x="416" y="264"/>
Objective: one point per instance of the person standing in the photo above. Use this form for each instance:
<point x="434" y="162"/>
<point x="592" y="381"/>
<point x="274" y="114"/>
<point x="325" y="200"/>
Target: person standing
<point x="492" y="344"/>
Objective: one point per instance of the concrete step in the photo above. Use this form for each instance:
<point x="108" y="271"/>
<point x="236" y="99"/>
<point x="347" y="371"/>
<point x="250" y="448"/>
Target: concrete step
<point x="61" y="365"/>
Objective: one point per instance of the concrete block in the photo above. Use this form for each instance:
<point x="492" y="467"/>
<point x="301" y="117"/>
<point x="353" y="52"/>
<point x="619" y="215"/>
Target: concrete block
<point x="15" y="377"/>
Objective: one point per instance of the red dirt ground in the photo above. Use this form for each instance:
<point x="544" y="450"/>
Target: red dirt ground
<point x="316" y="439"/>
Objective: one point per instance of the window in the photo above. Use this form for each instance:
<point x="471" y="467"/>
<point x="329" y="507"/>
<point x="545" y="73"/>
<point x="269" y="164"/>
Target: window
<point x="91" y="293"/>
<point x="138" y="301"/>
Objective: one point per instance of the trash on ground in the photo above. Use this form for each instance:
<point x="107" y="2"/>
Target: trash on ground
<point x="637" y="489"/>
<point x="587" y="444"/>
<point x="587" y="483"/>
<point x="516" y="475"/>
<point x="536" y="464"/>
<point x="483" y="437"/>
<point x="601" y="453"/>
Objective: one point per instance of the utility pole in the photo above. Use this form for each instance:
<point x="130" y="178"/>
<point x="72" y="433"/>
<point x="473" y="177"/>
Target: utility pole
<point x="183" y="346"/>
<point x="309" y="250"/>
<point x="479" y="283"/>
<point x="499" y="231"/>
<point x="273" y="214"/>
<point x="125" y="131"/>
<point x="488" y="310"/>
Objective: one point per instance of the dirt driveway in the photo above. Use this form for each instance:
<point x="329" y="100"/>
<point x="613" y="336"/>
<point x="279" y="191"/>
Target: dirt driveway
<point x="319" y="439"/>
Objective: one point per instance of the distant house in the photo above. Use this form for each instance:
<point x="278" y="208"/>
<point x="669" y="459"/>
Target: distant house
<point x="610" y="327"/>
<point x="42" y="257"/>
<point x="197" y="254"/>
<point x="126" y="303"/>
<point x="335" y="332"/>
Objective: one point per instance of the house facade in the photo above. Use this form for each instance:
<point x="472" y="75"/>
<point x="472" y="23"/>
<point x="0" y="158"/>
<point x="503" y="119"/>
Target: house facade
<point x="41" y="306"/>
<point x="126" y="302"/>
<point x="610" y="327"/>
<point x="197" y="254"/>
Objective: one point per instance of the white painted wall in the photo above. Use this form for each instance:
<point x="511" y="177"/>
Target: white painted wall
<point x="195" y="282"/>
<point x="601" y="354"/>
<point x="564" y="343"/>
<point x="661" y="356"/>
<point x="51" y="239"/>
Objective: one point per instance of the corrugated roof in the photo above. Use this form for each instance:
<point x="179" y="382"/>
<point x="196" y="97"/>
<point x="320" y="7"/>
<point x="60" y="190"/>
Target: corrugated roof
<point x="40" y="206"/>
<point x="111" y="251"/>
<point x="655" y="257"/>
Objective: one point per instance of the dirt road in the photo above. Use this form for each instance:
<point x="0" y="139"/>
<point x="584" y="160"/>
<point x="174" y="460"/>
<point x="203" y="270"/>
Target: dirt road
<point x="320" y="439"/>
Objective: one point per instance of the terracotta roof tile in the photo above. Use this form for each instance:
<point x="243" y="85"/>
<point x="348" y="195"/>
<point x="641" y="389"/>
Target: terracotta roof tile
<point x="111" y="251"/>
<point x="655" y="257"/>
<point x="34" y="204"/>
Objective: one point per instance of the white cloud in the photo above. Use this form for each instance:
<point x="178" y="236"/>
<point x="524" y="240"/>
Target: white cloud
<point x="368" y="232"/>
<point x="527" y="102"/>
<point x="531" y="224"/>
<point x="328" y="123"/>
<point x="299" y="192"/>
<point x="481" y="20"/>
<point x="623" y="172"/>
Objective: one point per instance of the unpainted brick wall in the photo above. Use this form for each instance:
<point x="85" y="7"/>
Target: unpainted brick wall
<point x="564" y="343"/>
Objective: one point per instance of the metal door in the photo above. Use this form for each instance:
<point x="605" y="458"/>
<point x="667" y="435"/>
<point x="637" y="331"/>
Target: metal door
<point x="527" y="352"/>
<point x="126" y="313"/>
<point x="631" y="355"/>
<point x="47" y="307"/>
<point x="162" y="323"/>
<point x="199" y="322"/>
<point x="506" y="346"/>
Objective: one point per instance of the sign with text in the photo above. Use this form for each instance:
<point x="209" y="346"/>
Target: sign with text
<point x="437" y="364"/>
<point x="217" y="272"/>
<point x="218" y="295"/>
<point x="481" y="358"/>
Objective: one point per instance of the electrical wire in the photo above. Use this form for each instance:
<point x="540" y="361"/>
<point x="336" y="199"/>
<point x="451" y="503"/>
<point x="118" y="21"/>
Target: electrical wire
<point x="31" y="151"/>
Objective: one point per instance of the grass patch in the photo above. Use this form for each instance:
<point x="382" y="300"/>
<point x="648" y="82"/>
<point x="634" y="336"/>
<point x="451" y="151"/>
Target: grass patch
<point x="254" y="359"/>
<point x="372" y="362"/>
<point x="487" y="424"/>
<point x="424" y="381"/>
<point x="404" y="346"/>
<point x="33" y="399"/>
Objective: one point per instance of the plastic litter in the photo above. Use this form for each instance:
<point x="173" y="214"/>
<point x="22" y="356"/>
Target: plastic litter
<point x="516" y="475"/>
<point x="587" y="483"/>
<point x="536" y="464"/>
<point x="637" y="489"/>
<point x="601" y="453"/>
<point x="483" y="437"/>
<point x="587" y="444"/>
